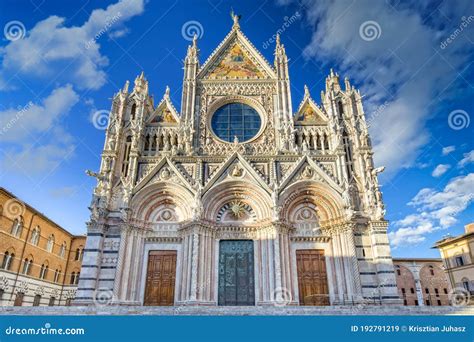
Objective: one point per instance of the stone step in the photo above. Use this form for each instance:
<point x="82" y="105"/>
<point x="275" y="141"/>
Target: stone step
<point x="238" y="310"/>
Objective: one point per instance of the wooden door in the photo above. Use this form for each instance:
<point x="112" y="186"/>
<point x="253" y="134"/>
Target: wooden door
<point x="160" y="278"/>
<point x="312" y="277"/>
<point x="236" y="273"/>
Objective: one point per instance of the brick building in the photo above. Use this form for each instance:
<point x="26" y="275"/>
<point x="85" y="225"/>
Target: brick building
<point x="422" y="281"/>
<point x="40" y="261"/>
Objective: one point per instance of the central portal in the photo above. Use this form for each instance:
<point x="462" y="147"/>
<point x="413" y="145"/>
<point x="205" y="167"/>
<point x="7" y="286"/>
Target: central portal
<point x="236" y="273"/>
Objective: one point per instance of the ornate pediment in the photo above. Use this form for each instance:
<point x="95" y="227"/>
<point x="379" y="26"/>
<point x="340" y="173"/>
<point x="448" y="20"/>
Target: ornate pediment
<point x="165" y="113"/>
<point x="165" y="171"/>
<point x="308" y="170"/>
<point x="236" y="58"/>
<point x="239" y="169"/>
<point x="309" y="113"/>
<point x="235" y="64"/>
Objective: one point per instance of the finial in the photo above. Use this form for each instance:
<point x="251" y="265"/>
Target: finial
<point x="331" y="73"/>
<point x="142" y="75"/>
<point x="195" y="37"/>
<point x="167" y="91"/>
<point x="306" y="91"/>
<point x="235" y="18"/>
<point x="278" y="39"/>
<point x="125" y="87"/>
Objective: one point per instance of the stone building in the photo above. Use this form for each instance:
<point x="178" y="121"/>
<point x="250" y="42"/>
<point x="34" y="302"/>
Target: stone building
<point x="422" y="282"/>
<point x="458" y="257"/>
<point x="237" y="199"/>
<point x="40" y="261"/>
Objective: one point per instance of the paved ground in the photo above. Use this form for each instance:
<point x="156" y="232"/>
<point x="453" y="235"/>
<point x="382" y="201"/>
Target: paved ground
<point x="238" y="311"/>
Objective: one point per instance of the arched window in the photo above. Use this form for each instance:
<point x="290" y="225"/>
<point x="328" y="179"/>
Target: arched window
<point x="348" y="153"/>
<point x="35" y="236"/>
<point x="50" y="243"/>
<point x="8" y="260"/>
<point x="431" y="270"/>
<point x="17" y="227"/>
<point x="27" y="263"/>
<point x="73" y="278"/>
<point x="62" y="250"/>
<point x="79" y="252"/>
<point x="340" y="109"/>
<point x="44" y="271"/>
<point x="57" y="275"/>
<point x="146" y="147"/>
<point x="126" y="155"/>
<point x="133" y="112"/>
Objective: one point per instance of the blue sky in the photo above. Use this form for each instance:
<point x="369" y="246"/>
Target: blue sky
<point x="62" y="61"/>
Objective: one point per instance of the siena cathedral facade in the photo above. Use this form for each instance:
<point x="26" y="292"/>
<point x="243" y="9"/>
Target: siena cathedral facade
<point x="238" y="199"/>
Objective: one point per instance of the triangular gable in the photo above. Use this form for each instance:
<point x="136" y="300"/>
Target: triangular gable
<point x="227" y="166"/>
<point x="309" y="113"/>
<point x="236" y="57"/>
<point x="165" y="113"/>
<point x="156" y="175"/>
<point x="313" y="172"/>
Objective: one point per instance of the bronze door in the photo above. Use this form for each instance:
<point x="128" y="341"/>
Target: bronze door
<point x="312" y="277"/>
<point x="160" y="278"/>
<point x="236" y="273"/>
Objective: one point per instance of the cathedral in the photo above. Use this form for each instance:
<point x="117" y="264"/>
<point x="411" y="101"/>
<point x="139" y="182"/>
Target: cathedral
<point x="237" y="198"/>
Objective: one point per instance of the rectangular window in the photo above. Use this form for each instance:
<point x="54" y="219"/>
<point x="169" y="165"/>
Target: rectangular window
<point x="52" y="300"/>
<point x="459" y="261"/>
<point x="428" y="302"/>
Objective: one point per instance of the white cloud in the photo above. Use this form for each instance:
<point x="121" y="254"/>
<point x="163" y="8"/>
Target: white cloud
<point x="404" y="67"/>
<point x="435" y="210"/>
<point x="32" y="160"/>
<point x="448" y="149"/>
<point x="32" y="137"/>
<point x="70" y="54"/>
<point x="17" y="125"/>
<point x="440" y="170"/>
<point x="468" y="158"/>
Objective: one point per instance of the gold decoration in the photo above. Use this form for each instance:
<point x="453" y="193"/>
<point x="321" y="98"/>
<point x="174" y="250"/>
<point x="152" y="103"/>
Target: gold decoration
<point x="236" y="64"/>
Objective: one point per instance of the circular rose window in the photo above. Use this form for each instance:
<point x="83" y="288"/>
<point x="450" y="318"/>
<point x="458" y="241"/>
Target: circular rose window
<point x="236" y="120"/>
